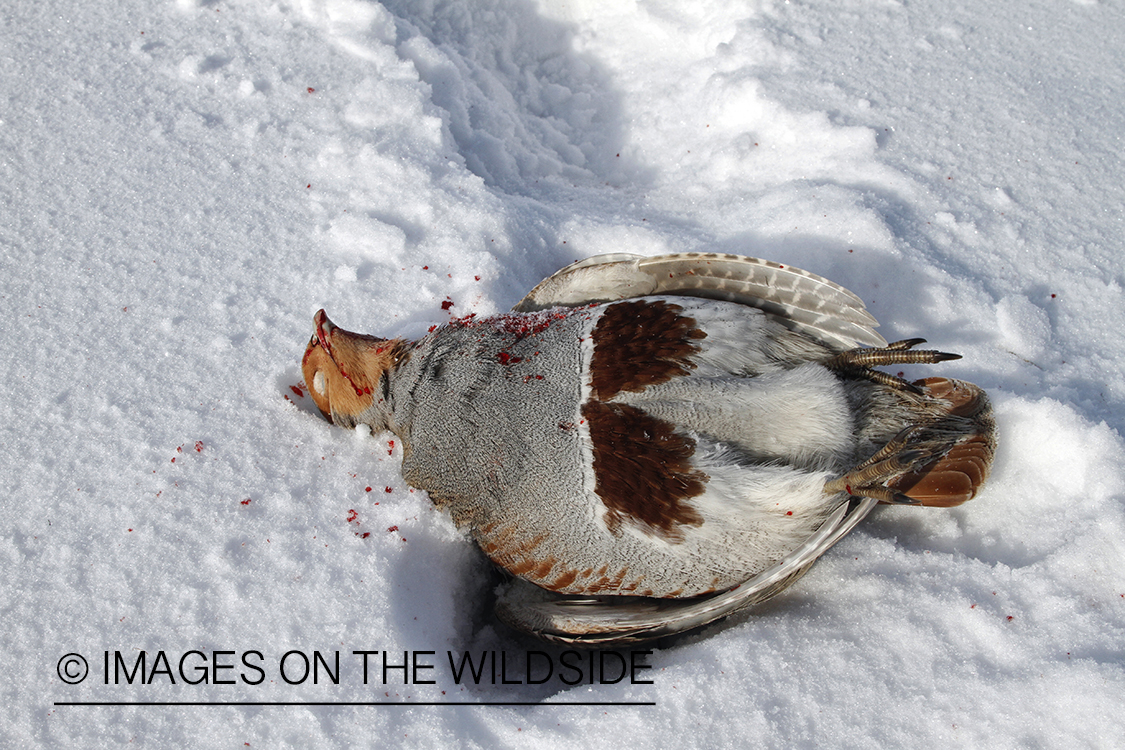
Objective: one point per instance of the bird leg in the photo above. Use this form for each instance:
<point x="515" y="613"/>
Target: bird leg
<point x="869" y="478"/>
<point x="857" y="363"/>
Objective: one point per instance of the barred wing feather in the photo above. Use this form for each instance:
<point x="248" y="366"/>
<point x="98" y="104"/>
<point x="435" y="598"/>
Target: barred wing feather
<point x="800" y="300"/>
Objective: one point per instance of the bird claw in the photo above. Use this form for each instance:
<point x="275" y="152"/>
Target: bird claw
<point x="870" y="477"/>
<point x="859" y="362"/>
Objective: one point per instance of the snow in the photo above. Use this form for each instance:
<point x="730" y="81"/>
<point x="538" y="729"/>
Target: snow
<point x="183" y="184"/>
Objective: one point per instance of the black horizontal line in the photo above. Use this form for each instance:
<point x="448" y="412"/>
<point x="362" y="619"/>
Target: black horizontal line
<point x="349" y="703"/>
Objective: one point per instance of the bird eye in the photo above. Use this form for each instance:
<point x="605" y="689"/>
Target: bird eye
<point x="318" y="382"/>
<point x="314" y="341"/>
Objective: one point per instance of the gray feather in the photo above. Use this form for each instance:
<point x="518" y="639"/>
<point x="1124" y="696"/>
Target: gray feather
<point x="615" y="620"/>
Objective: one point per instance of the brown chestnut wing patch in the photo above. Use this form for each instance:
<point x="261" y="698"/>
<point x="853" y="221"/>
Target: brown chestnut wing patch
<point x="641" y="343"/>
<point x="643" y="471"/>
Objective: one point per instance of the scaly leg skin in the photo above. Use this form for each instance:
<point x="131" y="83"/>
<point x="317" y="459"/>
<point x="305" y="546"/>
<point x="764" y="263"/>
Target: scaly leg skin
<point x="857" y="363"/>
<point x="870" y="477"/>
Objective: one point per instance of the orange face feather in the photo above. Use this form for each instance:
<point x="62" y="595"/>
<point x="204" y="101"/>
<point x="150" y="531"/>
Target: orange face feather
<point x="344" y="370"/>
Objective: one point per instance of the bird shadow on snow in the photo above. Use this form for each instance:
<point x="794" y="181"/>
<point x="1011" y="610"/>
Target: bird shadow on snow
<point x="440" y="598"/>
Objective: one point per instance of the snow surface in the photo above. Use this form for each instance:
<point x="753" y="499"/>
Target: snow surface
<point x="183" y="184"/>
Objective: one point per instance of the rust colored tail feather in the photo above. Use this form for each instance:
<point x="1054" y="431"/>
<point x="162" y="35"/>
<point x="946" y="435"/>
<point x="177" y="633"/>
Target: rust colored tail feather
<point x="969" y="430"/>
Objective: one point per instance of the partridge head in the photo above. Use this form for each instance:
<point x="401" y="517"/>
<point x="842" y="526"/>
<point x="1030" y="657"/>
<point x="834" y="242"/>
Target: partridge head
<point x="346" y="374"/>
<point x="648" y="444"/>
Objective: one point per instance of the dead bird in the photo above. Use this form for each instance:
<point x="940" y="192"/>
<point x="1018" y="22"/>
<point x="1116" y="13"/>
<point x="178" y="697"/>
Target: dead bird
<point x="649" y="444"/>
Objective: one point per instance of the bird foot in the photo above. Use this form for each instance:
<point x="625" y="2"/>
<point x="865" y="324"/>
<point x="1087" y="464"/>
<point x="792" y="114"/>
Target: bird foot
<point x="859" y="362"/>
<point x="869" y="478"/>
